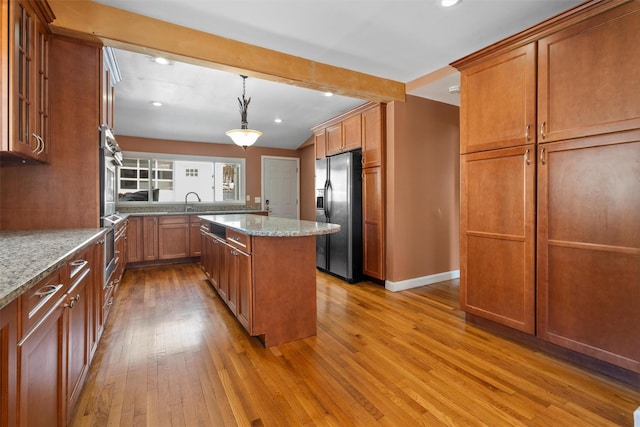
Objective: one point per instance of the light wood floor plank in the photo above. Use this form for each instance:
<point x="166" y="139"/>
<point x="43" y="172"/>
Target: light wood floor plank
<point x="173" y="355"/>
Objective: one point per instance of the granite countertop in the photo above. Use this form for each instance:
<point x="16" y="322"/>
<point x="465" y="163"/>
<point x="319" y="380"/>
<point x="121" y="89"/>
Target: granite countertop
<point x="28" y="256"/>
<point x="259" y="225"/>
<point x="163" y="213"/>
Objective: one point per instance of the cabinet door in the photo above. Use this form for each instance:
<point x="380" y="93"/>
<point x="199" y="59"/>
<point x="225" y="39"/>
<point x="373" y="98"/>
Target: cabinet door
<point x="217" y="265"/>
<point x="373" y="222"/>
<point x="8" y="363"/>
<point x="352" y="133"/>
<point x="320" y="144"/>
<point x="150" y="239"/>
<point x="334" y="139"/>
<point x="195" y="249"/>
<point x="205" y="253"/>
<point x="498" y="102"/>
<point x="497" y="236"/>
<point x="173" y="238"/>
<point x="42" y="360"/>
<point x="372" y="137"/>
<point x="222" y="269"/>
<point x="79" y="309"/>
<point x="244" y="306"/>
<point x="231" y="263"/>
<point x="588" y="77"/>
<point x="135" y="240"/>
<point x="589" y="247"/>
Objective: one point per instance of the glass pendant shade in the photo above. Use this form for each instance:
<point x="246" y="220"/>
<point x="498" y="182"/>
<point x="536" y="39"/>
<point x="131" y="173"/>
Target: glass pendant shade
<point x="244" y="137"/>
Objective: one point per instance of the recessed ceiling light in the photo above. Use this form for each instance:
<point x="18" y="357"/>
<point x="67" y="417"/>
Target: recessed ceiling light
<point x="449" y="3"/>
<point x="156" y="103"/>
<point x="161" y="61"/>
<point x="278" y="120"/>
<point x="328" y="94"/>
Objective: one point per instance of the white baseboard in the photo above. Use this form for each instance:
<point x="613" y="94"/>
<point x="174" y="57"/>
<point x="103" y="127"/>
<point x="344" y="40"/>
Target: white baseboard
<point x="421" y="281"/>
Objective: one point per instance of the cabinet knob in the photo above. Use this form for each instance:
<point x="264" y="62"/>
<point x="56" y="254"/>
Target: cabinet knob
<point x="543" y="130"/>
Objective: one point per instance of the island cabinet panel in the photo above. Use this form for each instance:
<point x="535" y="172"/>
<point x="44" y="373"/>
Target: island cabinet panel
<point x="135" y="240"/>
<point x="589" y="247"/>
<point x="230" y="278"/>
<point x="498" y="103"/>
<point x="242" y="266"/>
<point x="497" y="236"/>
<point x="588" y="77"/>
<point x="194" y="236"/>
<point x="8" y="363"/>
<point x="173" y="237"/>
<point x="283" y="289"/>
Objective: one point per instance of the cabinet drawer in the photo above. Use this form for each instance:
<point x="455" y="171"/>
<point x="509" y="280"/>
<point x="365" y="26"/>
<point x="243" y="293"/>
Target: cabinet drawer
<point x="37" y="301"/>
<point x="239" y="240"/>
<point x="79" y="263"/>
<point x="174" y="219"/>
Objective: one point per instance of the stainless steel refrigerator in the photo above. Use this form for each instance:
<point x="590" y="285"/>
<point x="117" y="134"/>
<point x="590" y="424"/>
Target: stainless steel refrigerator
<point x="339" y="201"/>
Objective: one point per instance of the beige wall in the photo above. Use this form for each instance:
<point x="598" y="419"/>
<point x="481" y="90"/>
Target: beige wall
<point x="422" y="189"/>
<point x="253" y="155"/>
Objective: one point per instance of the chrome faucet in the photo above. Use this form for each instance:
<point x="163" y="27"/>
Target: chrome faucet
<point x="186" y="207"/>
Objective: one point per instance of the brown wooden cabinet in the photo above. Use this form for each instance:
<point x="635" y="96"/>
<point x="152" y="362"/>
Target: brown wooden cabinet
<point x="498" y="103"/>
<point x="320" y="143"/>
<point x="135" y="240"/>
<point x="589" y="247"/>
<point x="150" y="238"/>
<point x="173" y="237"/>
<point x="497" y="236"/>
<point x="26" y="88"/>
<point x="79" y="305"/>
<point x="587" y="209"/>
<point x="373" y="136"/>
<point x="344" y="136"/>
<point x="588" y="77"/>
<point x="194" y="236"/>
<point x="8" y="363"/>
<point x="334" y="139"/>
<point x="373" y="260"/>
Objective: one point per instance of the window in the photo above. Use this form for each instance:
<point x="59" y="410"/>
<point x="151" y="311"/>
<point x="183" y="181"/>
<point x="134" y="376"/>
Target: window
<point x="168" y="178"/>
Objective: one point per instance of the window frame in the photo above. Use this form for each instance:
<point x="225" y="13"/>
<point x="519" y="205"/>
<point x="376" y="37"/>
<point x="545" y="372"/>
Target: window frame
<point x="242" y="175"/>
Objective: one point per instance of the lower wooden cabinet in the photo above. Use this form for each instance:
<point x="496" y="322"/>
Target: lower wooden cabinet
<point x="150" y="238"/>
<point x="194" y="236"/>
<point x="497" y="236"/>
<point x="241" y="267"/>
<point x="135" y="239"/>
<point x="41" y="366"/>
<point x="173" y="237"/>
<point x="8" y="363"/>
<point x="373" y="258"/>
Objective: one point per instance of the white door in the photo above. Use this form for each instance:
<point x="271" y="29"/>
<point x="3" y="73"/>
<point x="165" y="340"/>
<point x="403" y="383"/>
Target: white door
<point x="281" y="186"/>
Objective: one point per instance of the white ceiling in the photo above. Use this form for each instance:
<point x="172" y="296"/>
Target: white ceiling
<point x="400" y="40"/>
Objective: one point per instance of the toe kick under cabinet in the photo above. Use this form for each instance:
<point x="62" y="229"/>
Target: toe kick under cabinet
<point x="550" y="172"/>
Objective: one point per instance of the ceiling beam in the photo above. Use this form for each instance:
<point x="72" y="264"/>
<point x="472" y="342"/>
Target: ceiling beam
<point x="121" y="29"/>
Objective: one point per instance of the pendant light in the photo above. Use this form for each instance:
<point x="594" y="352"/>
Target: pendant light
<point x="244" y="137"/>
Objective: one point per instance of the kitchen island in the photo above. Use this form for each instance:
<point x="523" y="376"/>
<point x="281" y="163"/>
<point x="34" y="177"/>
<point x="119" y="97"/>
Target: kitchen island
<point x="264" y="269"/>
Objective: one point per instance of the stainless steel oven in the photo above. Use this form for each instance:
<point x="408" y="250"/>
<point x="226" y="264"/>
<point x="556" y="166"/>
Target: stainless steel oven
<point x="110" y="160"/>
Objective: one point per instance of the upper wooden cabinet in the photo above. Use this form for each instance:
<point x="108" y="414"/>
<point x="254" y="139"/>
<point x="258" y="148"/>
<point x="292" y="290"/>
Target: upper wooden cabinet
<point x="498" y="103"/>
<point x="588" y="77"/>
<point x="373" y="136"/>
<point x="320" y="143"/>
<point x="109" y="78"/>
<point x="334" y="139"/>
<point x="25" y="80"/>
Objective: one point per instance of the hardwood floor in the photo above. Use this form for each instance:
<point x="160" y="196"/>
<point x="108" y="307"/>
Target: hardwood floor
<point x="173" y="355"/>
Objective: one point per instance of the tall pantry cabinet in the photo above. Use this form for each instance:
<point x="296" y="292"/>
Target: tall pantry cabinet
<point x="550" y="197"/>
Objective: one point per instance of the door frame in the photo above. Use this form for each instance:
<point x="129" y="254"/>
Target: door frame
<point x="263" y="159"/>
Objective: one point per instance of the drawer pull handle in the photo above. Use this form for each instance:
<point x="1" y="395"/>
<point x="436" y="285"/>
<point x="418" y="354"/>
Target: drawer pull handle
<point x="79" y="262"/>
<point x="526" y="157"/>
<point x="543" y="130"/>
<point x="47" y="290"/>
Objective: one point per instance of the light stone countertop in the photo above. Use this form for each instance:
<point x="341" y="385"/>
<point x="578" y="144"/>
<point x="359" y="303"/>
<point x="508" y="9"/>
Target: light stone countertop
<point x="28" y="256"/>
<point x="270" y="226"/>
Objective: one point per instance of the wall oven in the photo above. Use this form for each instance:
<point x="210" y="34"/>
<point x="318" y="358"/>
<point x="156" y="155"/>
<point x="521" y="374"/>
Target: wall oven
<point x="110" y="160"/>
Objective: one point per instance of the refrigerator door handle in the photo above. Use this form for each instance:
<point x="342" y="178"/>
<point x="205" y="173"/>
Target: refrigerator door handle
<point x="327" y="199"/>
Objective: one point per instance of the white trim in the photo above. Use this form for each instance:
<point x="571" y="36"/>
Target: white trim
<point x="421" y="281"/>
<point x="297" y="160"/>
